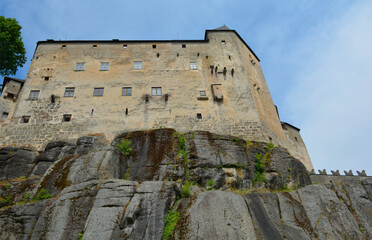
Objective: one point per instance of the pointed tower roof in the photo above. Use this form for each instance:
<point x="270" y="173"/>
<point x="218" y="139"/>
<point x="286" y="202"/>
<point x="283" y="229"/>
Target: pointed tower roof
<point x="224" y="27"/>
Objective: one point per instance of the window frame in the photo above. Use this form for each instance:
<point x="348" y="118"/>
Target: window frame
<point x="80" y="66"/>
<point x="105" y="66"/>
<point x="126" y="93"/>
<point x="33" y="94"/>
<point x="5" y="115"/>
<point x="157" y="92"/>
<point x="137" y="65"/>
<point x="203" y="92"/>
<point x="68" y="91"/>
<point x="193" y="66"/>
<point x="99" y="93"/>
<point x="66" y="117"/>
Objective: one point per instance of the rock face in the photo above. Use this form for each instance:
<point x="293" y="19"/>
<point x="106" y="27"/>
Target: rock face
<point x="100" y="193"/>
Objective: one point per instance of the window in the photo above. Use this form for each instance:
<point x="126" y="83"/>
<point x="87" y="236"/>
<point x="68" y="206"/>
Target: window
<point x="193" y="66"/>
<point x="154" y="46"/>
<point x="69" y="92"/>
<point x="156" y="91"/>
<point x="137" y="65"/>
<point x="80" y="66"/>
<point x="125" y="46"/>
<point x="64" y="46"/>
<point x="127" y="91"/>
<point x="46" y="78"/>
<point x="25" y="119"/>
<point x="66" y="117"/>
<point x="34" y="94"/>
<point x="183" y="45"/>
<point x="202" y="93"/>
<point x="104" y="66"/>
<point x="5" y="115"/>
<point x="199" y="116"/>
<point x="98" y="92"/>
<point x="94" y="46"/>
<point x="223" y="42"/>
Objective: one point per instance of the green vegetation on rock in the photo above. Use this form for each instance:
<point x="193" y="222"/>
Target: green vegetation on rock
<point x="170" y="223"/>
<point x="124" y="147"/>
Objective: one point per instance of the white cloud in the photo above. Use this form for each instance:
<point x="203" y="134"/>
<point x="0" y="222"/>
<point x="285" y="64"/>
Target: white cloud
<point x="333" y="92"/>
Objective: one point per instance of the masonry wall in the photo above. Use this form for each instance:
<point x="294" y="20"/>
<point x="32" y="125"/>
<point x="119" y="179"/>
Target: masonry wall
<point x="245" y="110"/>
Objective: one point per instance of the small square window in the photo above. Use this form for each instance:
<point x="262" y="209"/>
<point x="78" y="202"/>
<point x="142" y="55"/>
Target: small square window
<point x="64" y="46"/>
<point x="46" y="78"/>
<point x="156" y="91"/>
<point x="104" y="66"/>
<point x="34" y="94"/>
<point x="125" y="46"/>
<point x="80" y="66"/>
<point x="69" y="92"/>
<point x="153" y="46"/>
<point x="98" y="92"/>
<point x="137" y="65"/>
<point x="5" y="115"/>
<point x="94" y="46"/>
<point x="193" y="66"/>
<point x="223" y="42"/>
<point x="66" y="117"/>
<point x="25" y="119"/>
<point x="199" y="116"/>
<point x="203" y="94"/>
<point x="127" y="91"/>
<point x="183" y="45"/>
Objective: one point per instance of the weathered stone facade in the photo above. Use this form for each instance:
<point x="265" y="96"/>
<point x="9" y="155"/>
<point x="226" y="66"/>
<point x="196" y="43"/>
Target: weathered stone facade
<point x="215" y="84"/>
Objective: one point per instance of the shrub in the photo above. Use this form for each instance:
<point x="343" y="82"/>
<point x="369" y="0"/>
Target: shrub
<point x="124" y="147"/>
<point x="186" y="189"/>
<point x="80" y="236"/>
<point x="170" y="223"/>
<point x="259" y="170"/>
<point x="210" y="184"/>
<point x="27" y="195"/>
<point x="43" y="194"/>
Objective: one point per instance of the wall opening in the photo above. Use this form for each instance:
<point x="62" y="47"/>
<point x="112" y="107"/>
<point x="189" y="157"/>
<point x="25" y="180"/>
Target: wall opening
<point x="199" y="116"/>
<point x="5" y="115"/>
<point x="25" y="119"/>
<point x="153" y="46"/>
<point x="66" y="117"/>
<point x="183" y="45"/>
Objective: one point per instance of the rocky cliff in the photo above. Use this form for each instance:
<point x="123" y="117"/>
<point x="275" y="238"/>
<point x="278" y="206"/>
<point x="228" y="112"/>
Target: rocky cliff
<point x="161" y="184"/>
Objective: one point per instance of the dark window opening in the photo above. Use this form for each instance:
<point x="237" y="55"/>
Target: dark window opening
<point x="156" y="91"/>
<point x="126" y="111"/>
<point x="154" y="46"/>
<point x="158" y="54"/>
<point x="66" y="117"/>
<point x="199" y="116"/>
<point x="52" y="98"/>
<point x="46" y="78"/>
<point x="5" y="115"/>
<point x="9" y="95"/>
<point x="92" y="112"/>
<point x="125" y="46"/>
<point x="183" y="45"/>
<point x="64" y="46"/>
<point x="198" y="54"/>
<point x="25" y="119"/>
<point x="94" y="46"/>
<point x="223" y="42"/>
<point x="296" y="139"/>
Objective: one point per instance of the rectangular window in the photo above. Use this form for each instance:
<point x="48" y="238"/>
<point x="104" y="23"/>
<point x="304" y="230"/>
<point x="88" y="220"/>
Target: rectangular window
<point x="199" y="116"/>
<point x="202" y="93"/>
<point x="98" y="92"/>
<point x="125" y="46"/>
<point x="34" y="94"/>
<point x="153" y="46"/>
<point x="69" y="92"/>
<point x="25" y="119"/>
<point x="63" y="46"/>
<point x="183" y="45"/>
<point x="5" y="115"/>
<point x="156" y="91"/>
<point x="104" y="66"/>
<point x="223" y="42"/>
<point x="193" y="66"/>
<point x="94" y="46"/>
<point x="137" y="65"/>
<point x="66" y="117"/>
<point x="80" y="66"/>
<point x="127" y="91"/>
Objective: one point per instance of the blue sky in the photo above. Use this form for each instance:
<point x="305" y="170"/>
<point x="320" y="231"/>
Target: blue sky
<point x="315" y="55"/>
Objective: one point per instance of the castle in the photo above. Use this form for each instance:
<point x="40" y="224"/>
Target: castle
<point x="77" y="88"/>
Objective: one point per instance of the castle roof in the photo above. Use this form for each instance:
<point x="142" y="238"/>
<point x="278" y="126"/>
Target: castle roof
<point x="224" y="27"/>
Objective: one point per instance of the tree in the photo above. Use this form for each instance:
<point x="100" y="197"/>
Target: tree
<point x="12" y="50"/>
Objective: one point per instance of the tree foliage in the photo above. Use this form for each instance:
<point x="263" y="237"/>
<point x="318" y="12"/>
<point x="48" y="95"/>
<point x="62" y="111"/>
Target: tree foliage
<point x="12" y="50"/>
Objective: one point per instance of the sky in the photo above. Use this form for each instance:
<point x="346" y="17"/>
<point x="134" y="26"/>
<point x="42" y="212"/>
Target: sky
<point x="315" y="55"/>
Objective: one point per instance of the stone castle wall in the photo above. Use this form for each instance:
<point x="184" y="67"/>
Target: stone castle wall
<point x="246" y="110"/>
